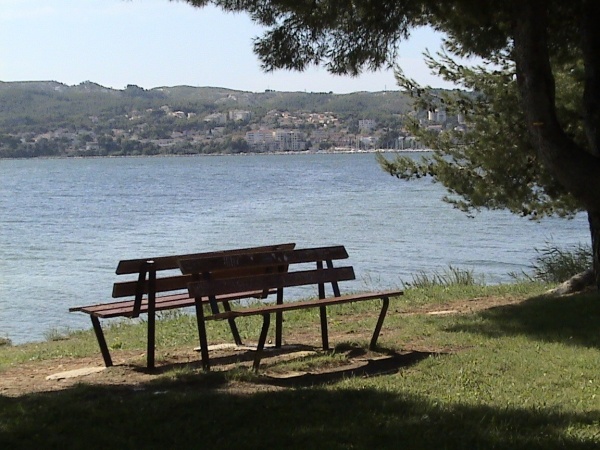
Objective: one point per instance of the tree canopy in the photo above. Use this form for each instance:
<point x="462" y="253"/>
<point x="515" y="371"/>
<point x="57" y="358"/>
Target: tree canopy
<point x="487" y="161"/>
<point x="348" y="36"/>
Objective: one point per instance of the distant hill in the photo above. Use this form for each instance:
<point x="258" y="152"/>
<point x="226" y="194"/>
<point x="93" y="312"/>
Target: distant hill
<point x="43" y="105"/>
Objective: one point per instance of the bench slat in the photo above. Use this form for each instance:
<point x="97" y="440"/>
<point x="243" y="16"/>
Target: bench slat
<point x="164" y="284"/>
<point x="207" y="288"/>
<point x="107" y="306"/>
<point x="178" y="282"/>
<point x="263" y="259"/>
<point x="124" y="309"/>
<point x="304" y="304"/>
<point x="131" y="266"/>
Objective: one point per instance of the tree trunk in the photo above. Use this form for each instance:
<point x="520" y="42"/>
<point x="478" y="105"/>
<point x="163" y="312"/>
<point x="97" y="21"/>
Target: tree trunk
<point x="576" y="283"/>
<point x="575" y="167"/>
<point x="594" y="220"/>
<point x="590" y="46"/>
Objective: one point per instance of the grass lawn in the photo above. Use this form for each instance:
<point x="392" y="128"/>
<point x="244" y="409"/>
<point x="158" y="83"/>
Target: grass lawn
<point x="452" y="373"/>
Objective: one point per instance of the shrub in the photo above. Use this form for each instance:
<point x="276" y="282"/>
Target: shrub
<point x="555" y="265"/>
<point x="452" y="276"/>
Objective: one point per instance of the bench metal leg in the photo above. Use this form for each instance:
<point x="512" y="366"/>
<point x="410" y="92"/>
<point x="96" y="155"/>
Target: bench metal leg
<point x="151" y="317"/>
<point x="384" y="308"/>
<point x="151" y="338"/>
<point x="261" y="341"/>
<point x="202" y="335"/>
<point x="279" y="321"/>
<point x="278" y="329"/>
<point x="232" y="325"/>
<point x="101" y="341"/>
<point x="324" y="333"/>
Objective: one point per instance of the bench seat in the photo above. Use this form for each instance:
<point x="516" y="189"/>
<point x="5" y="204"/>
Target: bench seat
<point x="244" y="312"/>
<point x="159" y="286"/>
<point x="163" y="303"/>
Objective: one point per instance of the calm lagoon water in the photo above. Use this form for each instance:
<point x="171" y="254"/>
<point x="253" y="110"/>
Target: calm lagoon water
<point x="65" y="224"/>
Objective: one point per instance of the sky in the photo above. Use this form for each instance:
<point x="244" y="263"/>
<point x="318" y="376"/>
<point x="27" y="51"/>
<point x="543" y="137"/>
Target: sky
<point x="155" y="43"/>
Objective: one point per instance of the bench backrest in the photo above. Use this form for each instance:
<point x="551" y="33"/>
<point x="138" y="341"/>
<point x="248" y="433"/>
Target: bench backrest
<point x="129" y="266"/>
<point x="271" y="277"/>
<point x="148" y="284"/>
<point x="143" y="267"/>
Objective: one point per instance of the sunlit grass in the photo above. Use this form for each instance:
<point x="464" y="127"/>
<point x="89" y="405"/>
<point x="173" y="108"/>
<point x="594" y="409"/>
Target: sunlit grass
<point x="177" y="328"/>
<point x="524" y="376"/>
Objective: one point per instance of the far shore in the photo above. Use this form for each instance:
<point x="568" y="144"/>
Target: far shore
<point x="339" y="150"/>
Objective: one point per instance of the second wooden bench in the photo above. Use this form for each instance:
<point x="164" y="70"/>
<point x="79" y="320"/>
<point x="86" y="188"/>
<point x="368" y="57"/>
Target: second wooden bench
<point x="271" y="277"/>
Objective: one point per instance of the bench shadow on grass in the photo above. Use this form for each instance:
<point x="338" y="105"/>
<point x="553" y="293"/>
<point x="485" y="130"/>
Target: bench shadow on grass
<point x="235" y="356"/>
<point x="358" y="366"/>
<point x="172" y="414"/>
<point x="571" y="320"/>
<point x="359" y="363"/>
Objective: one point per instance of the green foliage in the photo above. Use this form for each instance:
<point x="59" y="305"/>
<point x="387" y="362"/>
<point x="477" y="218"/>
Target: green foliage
<point x="56" y="334"/>
<point x="489" y="162"/>
<point x="44" y="106"/>
<point x="453" y="276"/>
<point x="555" y="265"/>
<point x="351" y="37"/>
<point x="540" y="37"/>
<point x="343" y="36"/>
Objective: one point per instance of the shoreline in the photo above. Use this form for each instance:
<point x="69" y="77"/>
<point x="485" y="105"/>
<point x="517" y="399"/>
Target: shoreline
<point x="340" y="151"/>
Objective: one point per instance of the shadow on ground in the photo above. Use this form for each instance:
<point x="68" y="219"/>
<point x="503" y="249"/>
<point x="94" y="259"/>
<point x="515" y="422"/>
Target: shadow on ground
<point x="234" y="356"/>
<point x="357" y="362"/>
<point x="358" y="367"/>
<point x="173" y="414"/>
<point x="571" y="320"/>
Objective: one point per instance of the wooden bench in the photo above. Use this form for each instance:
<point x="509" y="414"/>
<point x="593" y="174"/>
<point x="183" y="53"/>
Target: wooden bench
<point x="272" y="278"/>
<point x="161" y="275"/>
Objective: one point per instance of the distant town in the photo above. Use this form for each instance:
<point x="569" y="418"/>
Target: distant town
<point x="205" y="125"/>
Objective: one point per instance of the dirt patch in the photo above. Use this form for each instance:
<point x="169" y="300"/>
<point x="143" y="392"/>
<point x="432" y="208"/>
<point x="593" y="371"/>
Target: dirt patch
<point x="465" y="307"/>
<point x="129" y="371"/>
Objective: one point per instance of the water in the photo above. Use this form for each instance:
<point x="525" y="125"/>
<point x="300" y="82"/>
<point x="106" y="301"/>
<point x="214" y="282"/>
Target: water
<point x="65" y="223"/>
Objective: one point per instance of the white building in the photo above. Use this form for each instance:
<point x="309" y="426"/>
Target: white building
<point x="264" y="139"/>
<point x="238" y="115"/>
<point x="366" y="124"/>
<point x="441" y="115"/>
<point x="438" y="115"/>
<point x="290" y="140"/>
<point x="282" y="140"/>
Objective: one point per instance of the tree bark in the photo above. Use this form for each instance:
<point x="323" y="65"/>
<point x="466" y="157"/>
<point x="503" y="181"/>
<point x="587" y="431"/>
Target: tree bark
<point x="594" y="220"/>
<point x="575" y="284"/>
<point x="575" y="168"/>
<point x="590" y="46"/>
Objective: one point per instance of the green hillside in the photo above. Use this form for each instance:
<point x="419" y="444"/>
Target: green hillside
<point x="39" y="106"/>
